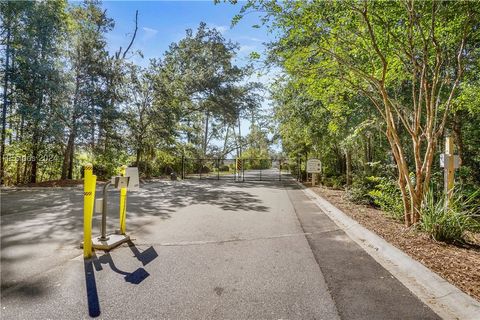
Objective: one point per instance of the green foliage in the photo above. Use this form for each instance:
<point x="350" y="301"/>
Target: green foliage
<point x="348" y="63"/>
<point x="359" y="191"/>
<point x="335" y="182"/>
<point x="69" y="97"/>
<point x="255" y="158"/>
<point x="224" y="168"/>
<point x="448" y="224"/>
<point x="387" y="196"/>
<point x="378" y="191"/>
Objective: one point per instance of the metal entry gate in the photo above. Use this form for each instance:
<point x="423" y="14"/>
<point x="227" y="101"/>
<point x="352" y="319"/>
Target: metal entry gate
<point x="253" y="169"/>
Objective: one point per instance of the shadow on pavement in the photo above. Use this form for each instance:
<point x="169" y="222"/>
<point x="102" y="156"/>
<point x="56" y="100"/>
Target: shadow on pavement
<point x="36" y="223"/>
<point x="96" y="264"/>
<point x="91" y="286"/>
<point x="144" y="257"/>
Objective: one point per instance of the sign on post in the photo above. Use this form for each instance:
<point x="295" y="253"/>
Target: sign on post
<point x="133" y="180"/>
<point x="445" y="164"/>
<point x="314" y="166"/>
<point x="120" y="182"/>
<point x="449" y="162"/>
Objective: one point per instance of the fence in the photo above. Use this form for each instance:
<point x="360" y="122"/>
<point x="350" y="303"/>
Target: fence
<point x="252" y="169"/>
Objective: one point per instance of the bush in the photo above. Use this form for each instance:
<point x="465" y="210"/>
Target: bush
<point x="287" y="167"/>
<point x="358" y="192"/>
<point x="102" y="171"/>
<point x="205" y="169"/>
<point x="224" y="168"/>
<point x="145" y="168"/>
<point x="164" y="163"/>
<point x="387" y="196"/>
<point x="448" y="224"/>
<point x="335" y="182"/>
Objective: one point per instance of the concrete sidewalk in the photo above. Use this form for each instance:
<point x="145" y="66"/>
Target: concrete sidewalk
<point x="200" y="250"/>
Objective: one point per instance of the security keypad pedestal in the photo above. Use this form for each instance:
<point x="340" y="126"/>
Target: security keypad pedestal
<point x="130" y="182"/>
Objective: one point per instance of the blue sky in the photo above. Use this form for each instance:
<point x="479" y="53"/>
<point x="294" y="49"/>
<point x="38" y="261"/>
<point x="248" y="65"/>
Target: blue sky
<point x="163" y="22"/>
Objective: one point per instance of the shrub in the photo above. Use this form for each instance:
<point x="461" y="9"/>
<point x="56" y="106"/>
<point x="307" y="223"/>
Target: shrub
<point x="338" y="182"/>
<point x="102" y="171"/>
<point x="164" y="163"/>
<point x="224" y="168"/>
<point x="287" y="167"/>
<point x="145" y="168"/>
<point x="205" y="169"/>
<point x="358" y="192"/>
<point x="448" y="224"/>
<point x="387" y="196"/>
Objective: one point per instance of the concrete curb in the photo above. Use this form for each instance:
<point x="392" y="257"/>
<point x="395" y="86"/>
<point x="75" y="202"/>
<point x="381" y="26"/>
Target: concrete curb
<point x="443" y="298"/>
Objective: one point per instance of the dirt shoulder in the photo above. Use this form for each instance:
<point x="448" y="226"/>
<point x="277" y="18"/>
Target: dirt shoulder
<point x="460" y="266"/>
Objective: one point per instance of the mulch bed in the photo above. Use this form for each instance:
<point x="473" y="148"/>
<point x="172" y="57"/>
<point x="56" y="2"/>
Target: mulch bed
<point x="458" y="265"/>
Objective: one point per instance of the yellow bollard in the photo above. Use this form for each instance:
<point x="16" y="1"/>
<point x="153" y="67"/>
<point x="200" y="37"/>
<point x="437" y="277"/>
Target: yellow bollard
<point x="89" y="184"/>
<point x="123" y="203"/>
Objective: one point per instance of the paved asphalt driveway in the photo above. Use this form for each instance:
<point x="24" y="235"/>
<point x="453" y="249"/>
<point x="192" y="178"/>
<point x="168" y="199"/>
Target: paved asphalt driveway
<point x="200" y="250"/>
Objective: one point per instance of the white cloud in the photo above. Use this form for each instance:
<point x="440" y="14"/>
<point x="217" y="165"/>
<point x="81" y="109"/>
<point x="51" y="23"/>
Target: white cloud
<point x="149" y="33"/>
<point x="246" y="48"/>
<point x="250" y="39"/>
<point x="222" y="29"/>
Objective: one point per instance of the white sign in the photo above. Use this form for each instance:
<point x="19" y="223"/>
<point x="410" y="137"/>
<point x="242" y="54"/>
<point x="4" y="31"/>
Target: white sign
<point x="120" y="182"/>
<point x="314" y="166"/>
<point x="456" y="160"/>
<point x="98" y="205"/>
<point x="130" y="181"/>
<point x="133" y="182"/>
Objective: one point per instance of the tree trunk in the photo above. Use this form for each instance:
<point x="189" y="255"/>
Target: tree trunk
<point x="205" y="138"/>
<point x="457" y="134"/>
<point x="4" y="108"/>
<point x="139" y="154"/>
<point x="71" y="156"/>
<point x="68" y="157"/>
<point x="348" y="157"/>
<point x="33" y="165"/>
<point x="239" y="151"/>
<point x="225" y="141"/>
<point x="65" y="163"/>
<point x="406" y="200"/>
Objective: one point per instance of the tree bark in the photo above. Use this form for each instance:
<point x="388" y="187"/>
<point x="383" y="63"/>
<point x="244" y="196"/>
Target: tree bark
<point x="71" y="155"/>
<point x="139" y="154"/>
<point x="4" y="108"/>
<point x="205" y="138"/>
<point x="63" y="175"/>
<point x="457" y="134"/>
<point x="348" y="158"/>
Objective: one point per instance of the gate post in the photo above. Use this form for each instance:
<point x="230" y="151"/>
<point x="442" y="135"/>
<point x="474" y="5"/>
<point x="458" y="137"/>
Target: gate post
<point x="280" y="170"/>
<point x="123" y="203"/>
<point x="243" y="170"/>
<point x="89" y="184"/>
